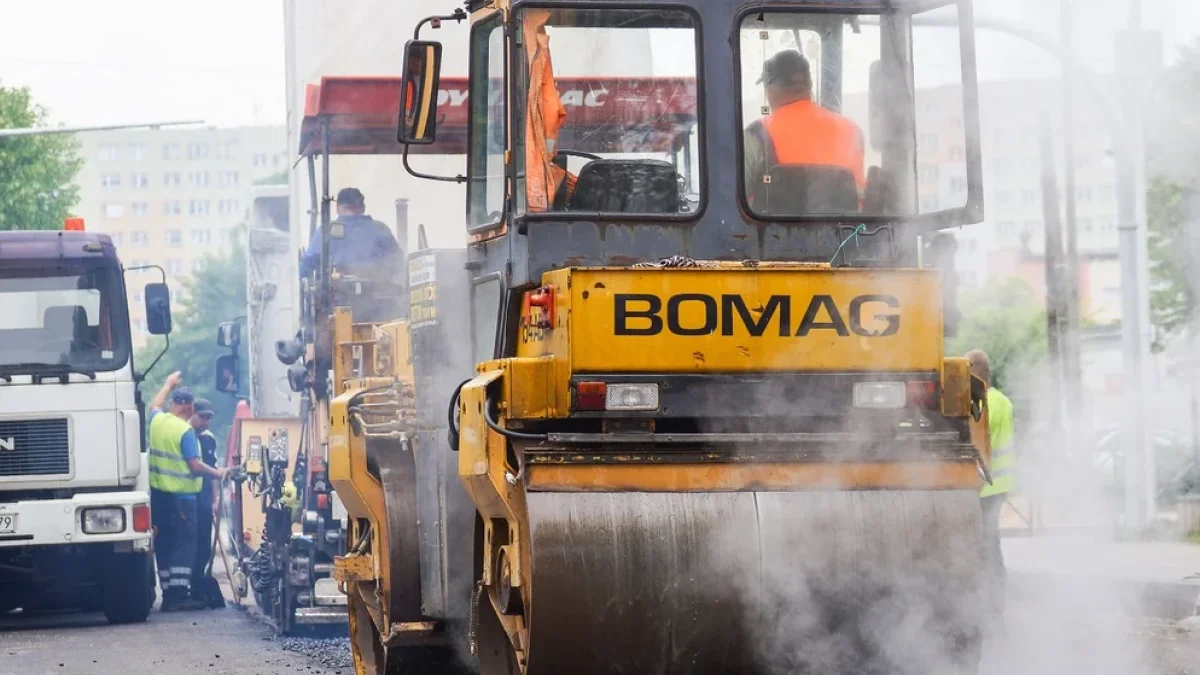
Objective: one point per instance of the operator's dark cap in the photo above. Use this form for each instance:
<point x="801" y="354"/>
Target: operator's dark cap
<point x="350" y="197"/>
<point x="182" y="397"/>
<point x="788" y="67"/>
<point x="204" y="408"/>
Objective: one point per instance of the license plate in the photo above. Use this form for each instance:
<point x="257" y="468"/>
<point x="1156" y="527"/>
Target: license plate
<point x="8" y="523"/>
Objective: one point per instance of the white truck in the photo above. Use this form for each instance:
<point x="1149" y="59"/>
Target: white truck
<point x="75" y="529"/>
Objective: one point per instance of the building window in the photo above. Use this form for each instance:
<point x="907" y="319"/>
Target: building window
<point x="1006" y="229"/>
<point x="198" y="207"/>
<point x="229" y="178"/>
<point x="927" y="143"/>
<point x="198" y="178"/>
<point x="139" y="237"/>
<point x="1086" y="224"/>
<point x="171" y="207"/>
<point x="957" y="153"/>
<point x="1002" y="166"/>
<point x="116" y="238"/>
<point x="929" y="204"/>
<point x="174" y="266"/>
<point x="1084" y="193"/>
<point x="929" y="172"/>
<point x="139" y="180"/>
<point x="1109" y="225"/>
<point x="174" y="237"/>
<point x="197" y="265"/>
<point x="227" y="150"/>
<point x="1029" y="196"/>
<point x="1033" y="226"/>
<point x="113" y="211"/>
<point x="197" y="151"/>
<point x="172" y="179"/>
<point x="143" y="264"/>
<point x="110" y="152"/>
<point x="171" y="151"/>
<point x="110" y="180"/>
<point x="1003" y="197"/>
<point x="201" y="237"/>
<point x="259" y="159"/>
<point x="137" y="151"/>
<point x="227" y="206"/>
<point x="139" y="209"/>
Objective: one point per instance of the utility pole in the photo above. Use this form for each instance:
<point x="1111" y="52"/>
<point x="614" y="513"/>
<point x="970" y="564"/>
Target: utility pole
<point x="1138" y="58"/>
<point x="1055" y="266"/>
<point x="1071" y="358"/>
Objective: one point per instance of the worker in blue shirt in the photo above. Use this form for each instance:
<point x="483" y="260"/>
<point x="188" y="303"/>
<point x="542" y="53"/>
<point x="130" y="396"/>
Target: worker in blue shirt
<point x="364" y="243"/>
<point x="175" y="481"/>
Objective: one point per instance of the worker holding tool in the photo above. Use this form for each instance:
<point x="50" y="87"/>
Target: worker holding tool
<point x="799" y="131"/>
<point x="364" y="242"/>
<point x="175" y="480"/>
<point x="1001" y="466"/>
<point x="204" y="587"/>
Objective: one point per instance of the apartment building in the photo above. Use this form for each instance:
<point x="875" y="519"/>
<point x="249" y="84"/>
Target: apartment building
<point x="168" y="197"/>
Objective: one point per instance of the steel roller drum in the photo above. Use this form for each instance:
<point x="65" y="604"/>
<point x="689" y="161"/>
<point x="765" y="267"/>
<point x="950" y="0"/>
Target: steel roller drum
<point x="830" y="583"/>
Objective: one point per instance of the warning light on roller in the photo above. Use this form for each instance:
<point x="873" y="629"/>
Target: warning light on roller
<point x="73" y="224"/>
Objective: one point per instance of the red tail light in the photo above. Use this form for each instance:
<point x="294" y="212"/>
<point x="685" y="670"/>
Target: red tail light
<point x="322" y="501"/>
<point x="590" y="395"/>
<point x="922" y="394"/>
<point x="141" y="518"/>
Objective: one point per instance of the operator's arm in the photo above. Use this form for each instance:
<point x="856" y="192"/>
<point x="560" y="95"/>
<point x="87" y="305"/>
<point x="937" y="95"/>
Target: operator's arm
<point x="386" y="245"/>
<point x="755" y="160"/>
<point x="160" y="399"/>
<point x="312" y="255"/>
<point x="191" y="454"/>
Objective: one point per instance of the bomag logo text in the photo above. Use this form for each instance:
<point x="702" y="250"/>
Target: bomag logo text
<point x="690" y="314"/>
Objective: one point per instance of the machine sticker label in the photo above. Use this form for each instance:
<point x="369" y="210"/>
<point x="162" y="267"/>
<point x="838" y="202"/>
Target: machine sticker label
<point x="693" y="314"/>
<point x="422" y="270"/>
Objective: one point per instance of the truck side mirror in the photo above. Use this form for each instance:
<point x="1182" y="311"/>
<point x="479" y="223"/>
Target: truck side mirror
<point x="419" y="92"/>
<point x="228" y="373"/>
<point x="229" y="334"/>
<point x="158" y="309"/>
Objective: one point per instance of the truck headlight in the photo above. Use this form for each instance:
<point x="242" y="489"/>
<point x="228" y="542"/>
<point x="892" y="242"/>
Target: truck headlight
<point x="105" y="520"/>
<point x="880" y="395"/>
<point x="631" y="397"/>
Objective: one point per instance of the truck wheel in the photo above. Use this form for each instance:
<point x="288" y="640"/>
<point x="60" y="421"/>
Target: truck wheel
<point x="128" y="587"/>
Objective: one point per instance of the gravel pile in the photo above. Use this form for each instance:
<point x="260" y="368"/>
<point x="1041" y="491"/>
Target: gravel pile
<point x="330" y="653"/>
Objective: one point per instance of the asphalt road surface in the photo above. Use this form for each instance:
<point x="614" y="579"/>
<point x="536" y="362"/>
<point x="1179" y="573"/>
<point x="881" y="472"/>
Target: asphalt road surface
<point x="214" y="642"/>
<point x="1033" y="641"/>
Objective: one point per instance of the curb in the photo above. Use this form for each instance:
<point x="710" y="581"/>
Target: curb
<point x="1141" y="598"/>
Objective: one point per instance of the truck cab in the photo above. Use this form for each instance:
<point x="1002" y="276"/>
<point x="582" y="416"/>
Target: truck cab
<point x="75" y="528"/>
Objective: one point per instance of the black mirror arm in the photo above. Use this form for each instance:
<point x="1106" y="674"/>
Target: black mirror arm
<point x="140" y="377"/>
<point x="445" y="179"/>
<point x="459" y="15"/>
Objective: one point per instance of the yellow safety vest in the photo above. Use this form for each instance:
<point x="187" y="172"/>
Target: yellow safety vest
<point x="168" y="470"/>
<point x="1004" y="458"/>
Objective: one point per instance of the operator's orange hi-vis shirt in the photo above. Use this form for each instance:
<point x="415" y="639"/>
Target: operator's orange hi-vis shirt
<point x="804" y="133"/>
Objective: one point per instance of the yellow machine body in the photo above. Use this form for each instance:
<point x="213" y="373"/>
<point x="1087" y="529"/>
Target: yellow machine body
<point x="256" y="437"/>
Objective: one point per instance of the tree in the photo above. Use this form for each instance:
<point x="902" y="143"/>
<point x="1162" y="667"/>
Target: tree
<point x="1006" y="321"/>
<point x="36" y="172"/>
<point x="1172" y="298"/>
<point x="217" y="293"/>
<point x="278" y="178"/>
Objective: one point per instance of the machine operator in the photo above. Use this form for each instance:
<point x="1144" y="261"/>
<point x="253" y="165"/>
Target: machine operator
<point x="364" y="244"/>
<point x="176" y="473"/>
<point x="798" y="131"/>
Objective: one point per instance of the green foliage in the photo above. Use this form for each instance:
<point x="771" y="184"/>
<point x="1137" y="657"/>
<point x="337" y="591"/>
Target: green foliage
<point x="214" y="295"/>
<point x="280" y="178"/>
<point x="1172" y="301"/>
<point x="36" y="172"/>
<point x="1005" y="320"/>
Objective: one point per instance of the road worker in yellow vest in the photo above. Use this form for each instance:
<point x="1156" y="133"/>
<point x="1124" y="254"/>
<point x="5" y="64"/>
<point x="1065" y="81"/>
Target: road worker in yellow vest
<point x="1002" y="466"/>
<point x="175" y="480"/>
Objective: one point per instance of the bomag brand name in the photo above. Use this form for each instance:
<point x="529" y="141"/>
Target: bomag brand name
<point x="690" y="314"/>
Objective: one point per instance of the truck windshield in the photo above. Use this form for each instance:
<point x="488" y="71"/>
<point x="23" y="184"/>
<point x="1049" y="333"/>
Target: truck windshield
<point x="853" y="113"/>
<point x="610" y="112"/>
<point x="62" y="315"/>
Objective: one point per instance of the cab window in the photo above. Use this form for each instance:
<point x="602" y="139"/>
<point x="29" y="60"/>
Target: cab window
<point x="852" y="113"/>
<point x="485" y="188"/>
<point x="609" y="121"/>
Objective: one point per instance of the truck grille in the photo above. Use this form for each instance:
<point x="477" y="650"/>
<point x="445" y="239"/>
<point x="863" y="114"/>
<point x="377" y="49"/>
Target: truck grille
<point x="34" y="448"/>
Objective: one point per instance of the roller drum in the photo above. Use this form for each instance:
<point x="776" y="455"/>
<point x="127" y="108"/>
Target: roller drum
<point x="886" y="582"/>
